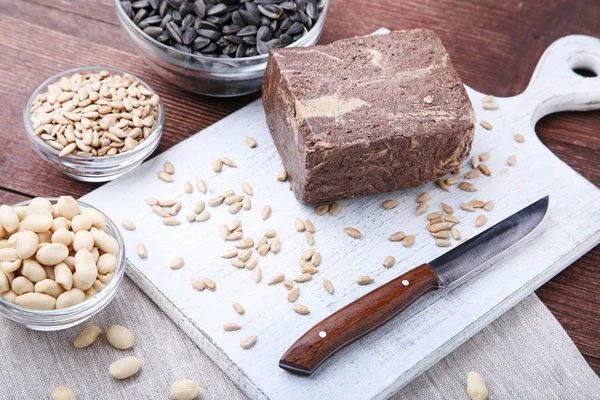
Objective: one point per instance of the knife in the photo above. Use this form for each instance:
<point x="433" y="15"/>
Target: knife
<point x="382" y="304"/>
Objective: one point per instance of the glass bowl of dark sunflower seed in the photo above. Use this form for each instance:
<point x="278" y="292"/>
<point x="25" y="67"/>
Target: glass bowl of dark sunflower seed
<point x="218" y="47"/>
<point x="94" y="124"/>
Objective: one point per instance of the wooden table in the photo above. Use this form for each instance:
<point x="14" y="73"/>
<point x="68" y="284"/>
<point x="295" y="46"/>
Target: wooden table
<point x="494" y="47"/>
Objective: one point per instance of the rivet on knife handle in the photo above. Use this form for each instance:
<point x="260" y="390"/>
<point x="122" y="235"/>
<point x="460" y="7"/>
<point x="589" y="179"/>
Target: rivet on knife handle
<point x="356" y="319"/>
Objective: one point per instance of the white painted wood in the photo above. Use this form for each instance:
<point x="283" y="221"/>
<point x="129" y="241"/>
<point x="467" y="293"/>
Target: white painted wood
<point x="382" y="362"/>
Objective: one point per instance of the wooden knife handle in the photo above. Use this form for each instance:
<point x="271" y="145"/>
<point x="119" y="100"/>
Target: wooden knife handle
<point x="357" y="319"/>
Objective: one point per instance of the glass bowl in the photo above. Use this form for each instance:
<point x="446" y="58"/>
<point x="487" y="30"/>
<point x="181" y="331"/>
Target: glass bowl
<point x="92" y="169"/>
<point x="218" y="77"/>
<point x="54" y="320"/>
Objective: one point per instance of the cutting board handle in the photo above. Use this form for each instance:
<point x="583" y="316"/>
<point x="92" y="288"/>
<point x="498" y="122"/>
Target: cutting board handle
<point x="555" y="86"/>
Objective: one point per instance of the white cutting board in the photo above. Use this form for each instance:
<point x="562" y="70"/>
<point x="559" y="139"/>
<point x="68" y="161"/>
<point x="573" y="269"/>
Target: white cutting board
<point x="382" y="362"/>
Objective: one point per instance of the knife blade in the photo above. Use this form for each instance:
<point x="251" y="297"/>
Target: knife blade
<point x="382" y="304"/>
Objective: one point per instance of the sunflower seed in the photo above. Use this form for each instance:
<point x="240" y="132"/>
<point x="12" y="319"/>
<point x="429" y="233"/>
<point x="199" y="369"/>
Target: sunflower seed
<point x="282" y="176"/>
<point x="141" y="250"/>
<point x="199" y="207"/>
<point x="519" y="138"/>
<point x="389" y="261"/>
<point x="263" y="249"/>
<point x="288" y="284"/>
<point x="421" y="208"/>
<point x="235" y="262"/>
<point x="307" y="254"/>
<point x="257" y="275"/>
<point x="177" y="263"/>
<point x="443" y="185"/>
<point x="275" y="245"/>
<point x="198" y="285"/>
<point x="170" y="221"/>
<point x="187" y="186"/>
<point x="305" y="277"/>
<point x="396" y="237"/>
<point x="512" y="160"/>
<point x="467" y="187"/>
<point x="476" y="173"/>
<point x="408" y="241"/>
<point x="476" y="203"/>
<point x="301" y="309"/>
<point x="486" y="125"/>
<point x="201" y="185"/>
<point x="466" y="207"/>
<point x="277" y="279"/>
<point x="248" y="342"/>
<point x="164" y="176"/>
<point x="335" y="208"/>
<point x="151" y="201"/>
<point x="209" y="283"/>
<point x="235" y="236"/>
<point x="488" y="206"/>
<point x="266" y="212"/>
<point x="167" y="202"/>
<point x="293" y="294"/>
<point x="309" y="226"/>
<point x="174" y="210"/>
<point x="353" y="232"/>
<point x="203" y="216"/>
<point x="223" y="231"/>
<point x="235" y="207"/>
<point x="475" y="162"/>
<point x="447" y="209"/>
<point x="251" y="263"/>
<point x="215" y="201"/>
<point x="423" y="197"/>
<point x="310" y="239"/>
<point x="485" y="169"/>
<point x="246" y="203"/>
<point x="300" y="225"/>
<point x="217" y="166"/>
<point x="316" y="259"/>
<point x="451" y="218"/>
<point x="169" y="167"/>
<point x="231" y="326"/>
<point x="191" y="217"/>
<point x="490" y="106"/>
<point x="442" y="243"/>
<point x="245" y="243"/>
<point x="440" y="234"/>
<point x="270" y="233"/>
<point x="322" y="209"/>
<point x="439" y="226"/>
<point x="128" y="225"/>
<point x="308" y="268"/>
<point x="246" y="188"/>
<point x="488" y="99"/>
<point x="480" y="221"/>
<point x="389" y="204"/>
<point x="483" y="157"/>
<point x="452" y="180"/>
<point x="251" y="142"/>
<point x="230" y="253"/>
<point x="435" y="220"/>
<point x="455" y="233"/>
<point x="433" y="215"/>
<point x="238" y="308"/>
<point x="364" y="280"/>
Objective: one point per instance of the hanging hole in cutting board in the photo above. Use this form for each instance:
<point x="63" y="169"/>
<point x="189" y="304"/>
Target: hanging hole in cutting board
<point x="585" y="72"/>
<point x="585" y="65"/>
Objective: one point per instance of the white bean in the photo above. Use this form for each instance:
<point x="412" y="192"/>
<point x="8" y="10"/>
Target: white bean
<point x="49" y="287"/>
<point x="81" y="223"/>
<point x="4" y="283"/>
<point x="27" y="244"/>
<point x="120" y="337"/>
<point x="105" y="242"/>
<point x="36" y="301"/>
<point x="55" y="213"/>
<point x="185" y="389"/>
<point x="38" y="222"/>
<point x="63" y="275"/>
<point x="125" y="367"/>
<point x="52" y="254"/>
<point x="10" y="275"/>
<point x="67" y="207"/>
<point x="60" y="222"/>
<point x="11" y="266"/>
<point x="476" y="389"/>
<point x="21" y="285"/>
<point x="91" y="292"/>
<point x="33" y="271"/>
<point x="49" y="271"/>
<point x="98" y="285"/>
<point x="3" y="232"/>
<point x="107" y="263"/>
<point x="63" y="393"/>
<point x="9" y="296"/>
<point x="21" y="212"/>
<point x="83" y="240"/>
<point x="9" y="218"/>
<point x="106" y="278"/>
<point x="62" y="235"/>
<point x="85" y="270"/>
<point x="98" y="219"/>
<point x="45" y="237"/>
<point x="8" y="254"/>
<point x="39" y="205"/>
<point x="70" y="298"/>
<point x="88" y="336"/>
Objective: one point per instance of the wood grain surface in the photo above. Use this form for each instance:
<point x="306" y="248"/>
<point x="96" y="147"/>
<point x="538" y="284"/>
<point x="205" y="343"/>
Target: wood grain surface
<point x="494" y="47"/>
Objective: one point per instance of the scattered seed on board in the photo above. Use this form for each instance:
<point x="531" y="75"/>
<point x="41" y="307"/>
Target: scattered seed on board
<point x="275" y="246"/>
<point x="288" y="284"/>
<point x="309" y="226"/>
<point x="187" y="186"/>
<point x="201" y="185"/>
<point x="238" y="308"/>
<point x="228" y="161"/>
<point x="151" y="201"/>
<point x="307" y="254"/>
<point x="389" y="204"/>
<point x="63" y="393"/>
<point x="451" y="218"/>
<point x="389" y="261"/>
<point x="293" y="294"/>
<point x="447" y="209"/>
<point x="442" y="243"/>
<point x="486" y="125"/>
<point x="191" y="217"/>
<point x="196" y="284"/>
<point x="246" y="203"/>
<point x="483" y="157"/>
<point x="305" y="277"/>
<point x="233" y="236"/>
<point x="245" y="243"/>
<point x="170" y="221"/>
<point x="490" y="106"/>
<point x="433" y="215"/>
<point x="316" y="259"/>
<point x="467" y="187"/>
<point x="436" y="220"/>
<point x="440" y="226"/>
<point x="475" y="162"/>
<point x="257" y="275"/>
<point x="519" y="138"/>
<point x="421" y="208"/>
<point x="455" y="233"/>
<point x="203" y="216"/>
<point x="167" y="202"/>
<point x="199" y="207"/>
<point x="246" y="188"/>
<point x="396" y="237"/>
<point x="488" y="206"/>
<point x="310" y="239"/>
<point x="476" y="173"/>
<point x="277" y="279"/>
<point x="282" y="176"/>
<point x="322" y="209"/>
<point x="251" y="263"/>
<point x="165" y="177"/>
<point x="353" y="232"/>
<point x="452" y="180"/>
<point x="476" y="203"/>
<point x="512" y="160"/>
<point x="235" y="207"/>
<point x="335" y="208"/>
<point x="301" y="309"/>
<point x="488" y="99"/>
<point x="209" y="283"/>
<point x="408" y="241"/>
<point x="250" y="141"/>
<point x="128" y="225"/>
<point x="485" y="169"/>
<point x="248" y="342"/>
<point x="169" y="167"/>
<point x="328" y="286"/>
<point x="141" y="250"/>
<point x="442" y="185"/>
<point x="423" y="197"/>
<point x="266" y="212"/>
<point x="263" y="249"/>
<point x="480" y="221"/>
<point x="364" y="280"/>
<point x="245" y="255"/>
<point x="270" y="233"/>
<point x="231" y="326"/>
<point x="300" y="227"/>
<point x="87" y="336"/>
<point x="217" y="166"/>
<point x="177" y="263"/>
<point x="466" y="207"/>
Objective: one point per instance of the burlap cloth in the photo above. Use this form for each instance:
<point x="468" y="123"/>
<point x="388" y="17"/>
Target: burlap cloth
<point x="523" y="355"/>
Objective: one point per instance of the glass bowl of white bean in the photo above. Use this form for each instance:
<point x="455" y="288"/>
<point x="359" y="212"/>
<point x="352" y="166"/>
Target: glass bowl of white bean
<point x="44" y="290"/>
<point x="94" y="124"/>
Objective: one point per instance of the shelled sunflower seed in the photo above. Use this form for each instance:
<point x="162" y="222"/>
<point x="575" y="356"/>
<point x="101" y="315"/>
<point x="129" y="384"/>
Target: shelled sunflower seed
<point x="228" y="29"/>
<point x="335" y="208"/>
<point x="322" y="209"/>
<point x="282" y="176"/>
<point x="95" y="115"/>
<point x="250" y="141"/>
